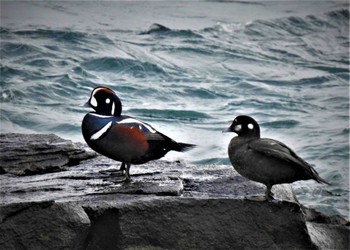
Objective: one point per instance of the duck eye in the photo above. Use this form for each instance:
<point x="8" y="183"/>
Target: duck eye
<point x="108" y="100"/>
<point x="250" y="126"/>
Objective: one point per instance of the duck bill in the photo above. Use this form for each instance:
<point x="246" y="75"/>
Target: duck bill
<point x="87" y="105"/>
<point x="228" y="130"/>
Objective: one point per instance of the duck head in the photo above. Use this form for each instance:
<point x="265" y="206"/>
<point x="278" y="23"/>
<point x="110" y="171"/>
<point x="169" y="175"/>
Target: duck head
<point x="105" y="102"/>
<point x="244" y="125"/>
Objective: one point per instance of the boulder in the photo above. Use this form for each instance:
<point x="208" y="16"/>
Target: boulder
<point x="29" y="154"/>
<point x="198" y="223"/>
<point x="72" y="198"/>
<point x="43" y="225"/>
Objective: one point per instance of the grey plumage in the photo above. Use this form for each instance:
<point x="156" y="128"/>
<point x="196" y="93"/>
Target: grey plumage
<point x="265" y="160"/>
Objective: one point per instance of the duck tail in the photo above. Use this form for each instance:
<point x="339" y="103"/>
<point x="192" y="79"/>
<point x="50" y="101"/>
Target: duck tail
<point x="183" y="147"/>
<point x="318" y="178"/>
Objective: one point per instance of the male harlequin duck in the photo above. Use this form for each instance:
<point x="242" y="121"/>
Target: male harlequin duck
<point x="265" y="160"/>
<point x="123" y="138"/>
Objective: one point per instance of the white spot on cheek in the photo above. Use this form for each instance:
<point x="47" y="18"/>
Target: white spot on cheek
<point x="238" y="128"/>
<point x="250" y="126"/>
<point x="93" y="101"/>
<point x="108" y="100"/>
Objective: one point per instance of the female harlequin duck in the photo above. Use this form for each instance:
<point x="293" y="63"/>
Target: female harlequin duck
<point x="123" y="138"/>
<point x="265" y="160"/>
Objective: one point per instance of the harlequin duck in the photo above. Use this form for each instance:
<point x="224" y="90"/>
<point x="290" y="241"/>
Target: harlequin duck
<point x="120" y="137"/>
<point x="265" y="160"/>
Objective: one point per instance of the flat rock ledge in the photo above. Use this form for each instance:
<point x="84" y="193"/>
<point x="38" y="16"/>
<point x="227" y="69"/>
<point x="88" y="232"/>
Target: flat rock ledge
<point x="56" y="194"/>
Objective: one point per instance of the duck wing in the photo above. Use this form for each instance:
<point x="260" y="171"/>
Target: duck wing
<point x="273" y="148"/>
<point x="279" y="150"/>
<point x="155" y="138"/>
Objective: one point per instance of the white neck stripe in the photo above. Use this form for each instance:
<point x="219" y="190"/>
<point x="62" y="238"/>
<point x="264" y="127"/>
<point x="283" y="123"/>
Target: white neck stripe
<point x="101" y="132"/>
<point x="101" y="116"/>
<point x="113" y="108"/>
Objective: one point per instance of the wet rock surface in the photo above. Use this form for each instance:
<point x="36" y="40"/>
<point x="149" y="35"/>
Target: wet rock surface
<point x="57" y="194"/>
<point x="30" y="154"/>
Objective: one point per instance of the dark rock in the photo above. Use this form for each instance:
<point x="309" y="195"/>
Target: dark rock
<point x="168" y="205"/>
<point x="329" y="236"/>
<point x="43" y="225"/>
<point x="328" y="232"/>
<point x="30" y="154"/>
<point x="192" y="223"/>
<point x="91" y="177"/>
<point x="317" y="217"/>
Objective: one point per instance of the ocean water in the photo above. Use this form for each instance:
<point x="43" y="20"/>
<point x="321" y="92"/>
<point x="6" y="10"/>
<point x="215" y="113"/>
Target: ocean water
<point x="286" y="63"/>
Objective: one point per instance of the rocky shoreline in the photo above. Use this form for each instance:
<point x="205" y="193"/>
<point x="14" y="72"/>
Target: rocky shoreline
<point x="56" y="194"/>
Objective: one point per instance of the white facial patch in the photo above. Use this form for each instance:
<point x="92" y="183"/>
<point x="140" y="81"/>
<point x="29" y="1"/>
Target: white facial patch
<point x="101" y="132"/>
<point x="131" y="120"/>
<point x="108" y="100"/>
<point x="238" y="127"/>
<point x="250" y="126"/>
<point x="93" y="101"/>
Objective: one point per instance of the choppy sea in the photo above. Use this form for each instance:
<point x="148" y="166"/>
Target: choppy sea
<point x="286" y="63"/>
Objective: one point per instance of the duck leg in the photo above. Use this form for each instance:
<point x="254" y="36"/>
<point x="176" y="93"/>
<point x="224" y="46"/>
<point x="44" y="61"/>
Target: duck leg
<point x="115" y="171"/>
<point x="127" y="172"/>
<point x="267" y="197"/>
<point x="268" y="193"/>
<point x="122" y="167"/>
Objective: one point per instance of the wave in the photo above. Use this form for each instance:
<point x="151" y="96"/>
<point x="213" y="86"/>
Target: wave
<point x="342" y="14"/>
<point x="123" y="65"/>
<point x="287" y="72"/>
<point x="161" y="30"/>
<point x="64" y="35"/>
<point x="293" y="25"/>
<point x="281" y="124"/>
<point x="8" y="72"/>
<point x="13" y="49"/>
<point x="184" y="115"/>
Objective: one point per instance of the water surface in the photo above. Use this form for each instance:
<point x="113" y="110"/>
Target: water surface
<point x="285" y="63"/>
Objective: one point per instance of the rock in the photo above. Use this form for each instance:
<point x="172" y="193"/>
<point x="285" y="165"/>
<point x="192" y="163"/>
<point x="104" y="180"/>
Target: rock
<point x="197" y="223"/>
<point x="328" y="232"/>
<point x="328" y="236"/>
<point x="43" y="225"/>
<point x="27" y="154"/>
<point x="91" y="177"/>
<point x="81" y="203"/>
